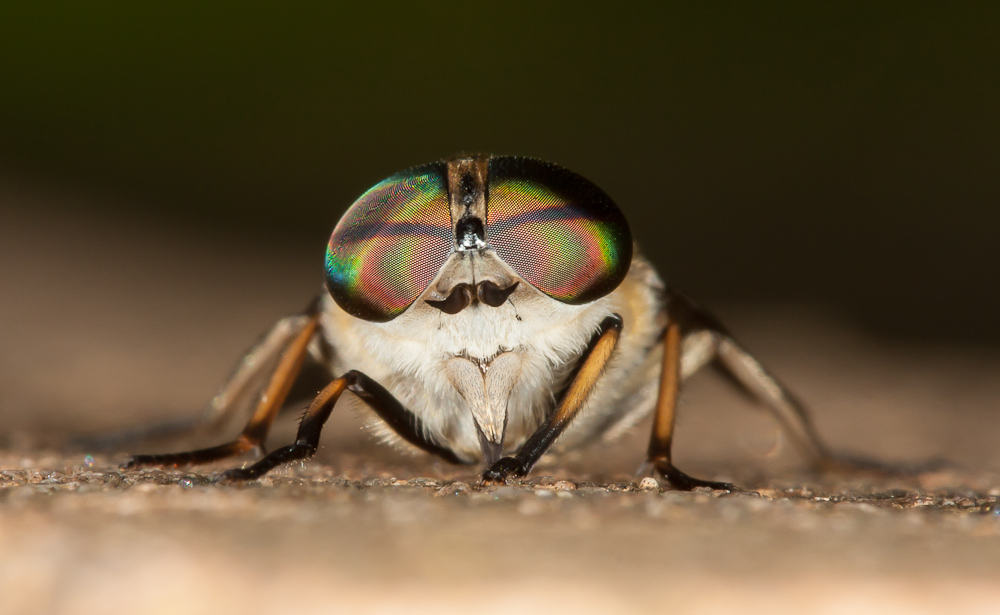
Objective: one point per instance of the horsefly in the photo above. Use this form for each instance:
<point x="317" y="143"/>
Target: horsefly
<point x="487" y="309"/>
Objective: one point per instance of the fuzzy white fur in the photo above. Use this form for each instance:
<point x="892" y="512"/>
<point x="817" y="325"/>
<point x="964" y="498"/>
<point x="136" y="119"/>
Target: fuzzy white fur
<point x="410" y="355"/>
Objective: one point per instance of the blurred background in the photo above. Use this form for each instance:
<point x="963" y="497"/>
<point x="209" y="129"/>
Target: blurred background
<point x="842" y="156"/>
<point x="822" y="175"/>
<point x="169" y="174"/>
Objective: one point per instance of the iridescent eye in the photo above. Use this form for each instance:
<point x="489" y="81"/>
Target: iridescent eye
<point x="558" y="231"/>
<point x="390" y="244"/>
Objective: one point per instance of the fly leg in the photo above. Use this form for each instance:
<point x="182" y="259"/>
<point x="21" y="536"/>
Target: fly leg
<point x="389" y="409"/>
<point x="661" y="439"/>
<point x="692" y="339"/>
<point x="591" y="367"/>
<point x="234" y="398"/>
<point x="289" y="363"/>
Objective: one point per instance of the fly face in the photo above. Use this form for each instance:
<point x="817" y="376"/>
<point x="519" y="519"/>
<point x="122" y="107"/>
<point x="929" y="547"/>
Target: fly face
<point x="549" y="227"/>
<point x="503" y="255"/>
<point x="486" y="301"/>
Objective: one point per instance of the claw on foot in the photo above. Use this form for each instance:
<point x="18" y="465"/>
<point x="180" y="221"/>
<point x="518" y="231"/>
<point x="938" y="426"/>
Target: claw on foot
<point x="505" y="469"/>
<point x="684" y="482"/>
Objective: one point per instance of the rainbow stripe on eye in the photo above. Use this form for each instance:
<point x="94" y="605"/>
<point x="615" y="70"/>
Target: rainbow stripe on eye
<point x="564" y="236"/>
<point x="390" y="244"/>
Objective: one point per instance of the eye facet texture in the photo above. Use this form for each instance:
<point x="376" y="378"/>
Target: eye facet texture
<point x="390" y="244"/>
<point x="557" y="230"/>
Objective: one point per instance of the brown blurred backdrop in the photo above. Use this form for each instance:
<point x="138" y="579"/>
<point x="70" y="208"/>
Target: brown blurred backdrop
<point x="843" y="156"/>
<point x="824" y="177"/>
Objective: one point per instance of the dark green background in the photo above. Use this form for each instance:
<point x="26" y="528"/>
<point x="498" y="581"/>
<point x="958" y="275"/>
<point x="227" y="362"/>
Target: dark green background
<point x="843" y="155"/>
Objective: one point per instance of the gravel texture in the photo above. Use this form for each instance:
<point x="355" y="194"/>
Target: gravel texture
<point x="149" y="324"/>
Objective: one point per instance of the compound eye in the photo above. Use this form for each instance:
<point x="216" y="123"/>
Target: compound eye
<point x="390" y="244"/>
<point x="557" y="230"/>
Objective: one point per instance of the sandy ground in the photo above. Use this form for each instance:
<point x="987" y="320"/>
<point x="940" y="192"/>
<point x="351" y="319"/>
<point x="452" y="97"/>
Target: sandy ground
<point x="109" y="324"/>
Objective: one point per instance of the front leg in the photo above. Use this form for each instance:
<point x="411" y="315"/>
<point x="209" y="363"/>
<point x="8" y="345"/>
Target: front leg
<point x="398" y="417"/>
<point x="591" y="367"/>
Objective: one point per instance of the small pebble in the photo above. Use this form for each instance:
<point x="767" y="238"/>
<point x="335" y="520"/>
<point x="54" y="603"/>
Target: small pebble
<point x="648" y="484"/>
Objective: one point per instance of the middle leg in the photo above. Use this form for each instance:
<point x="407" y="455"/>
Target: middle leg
<point x="693" y="338"/>
<point x="270" y="403"/>
<point x="661" y="439"/>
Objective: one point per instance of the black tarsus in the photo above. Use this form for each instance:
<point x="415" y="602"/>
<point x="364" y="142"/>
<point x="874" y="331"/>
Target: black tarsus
<point x="532" y="450"/>
<point x="396" y="415"/>
<point x="406" y="424"/>
<point x="685" y="482"/>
